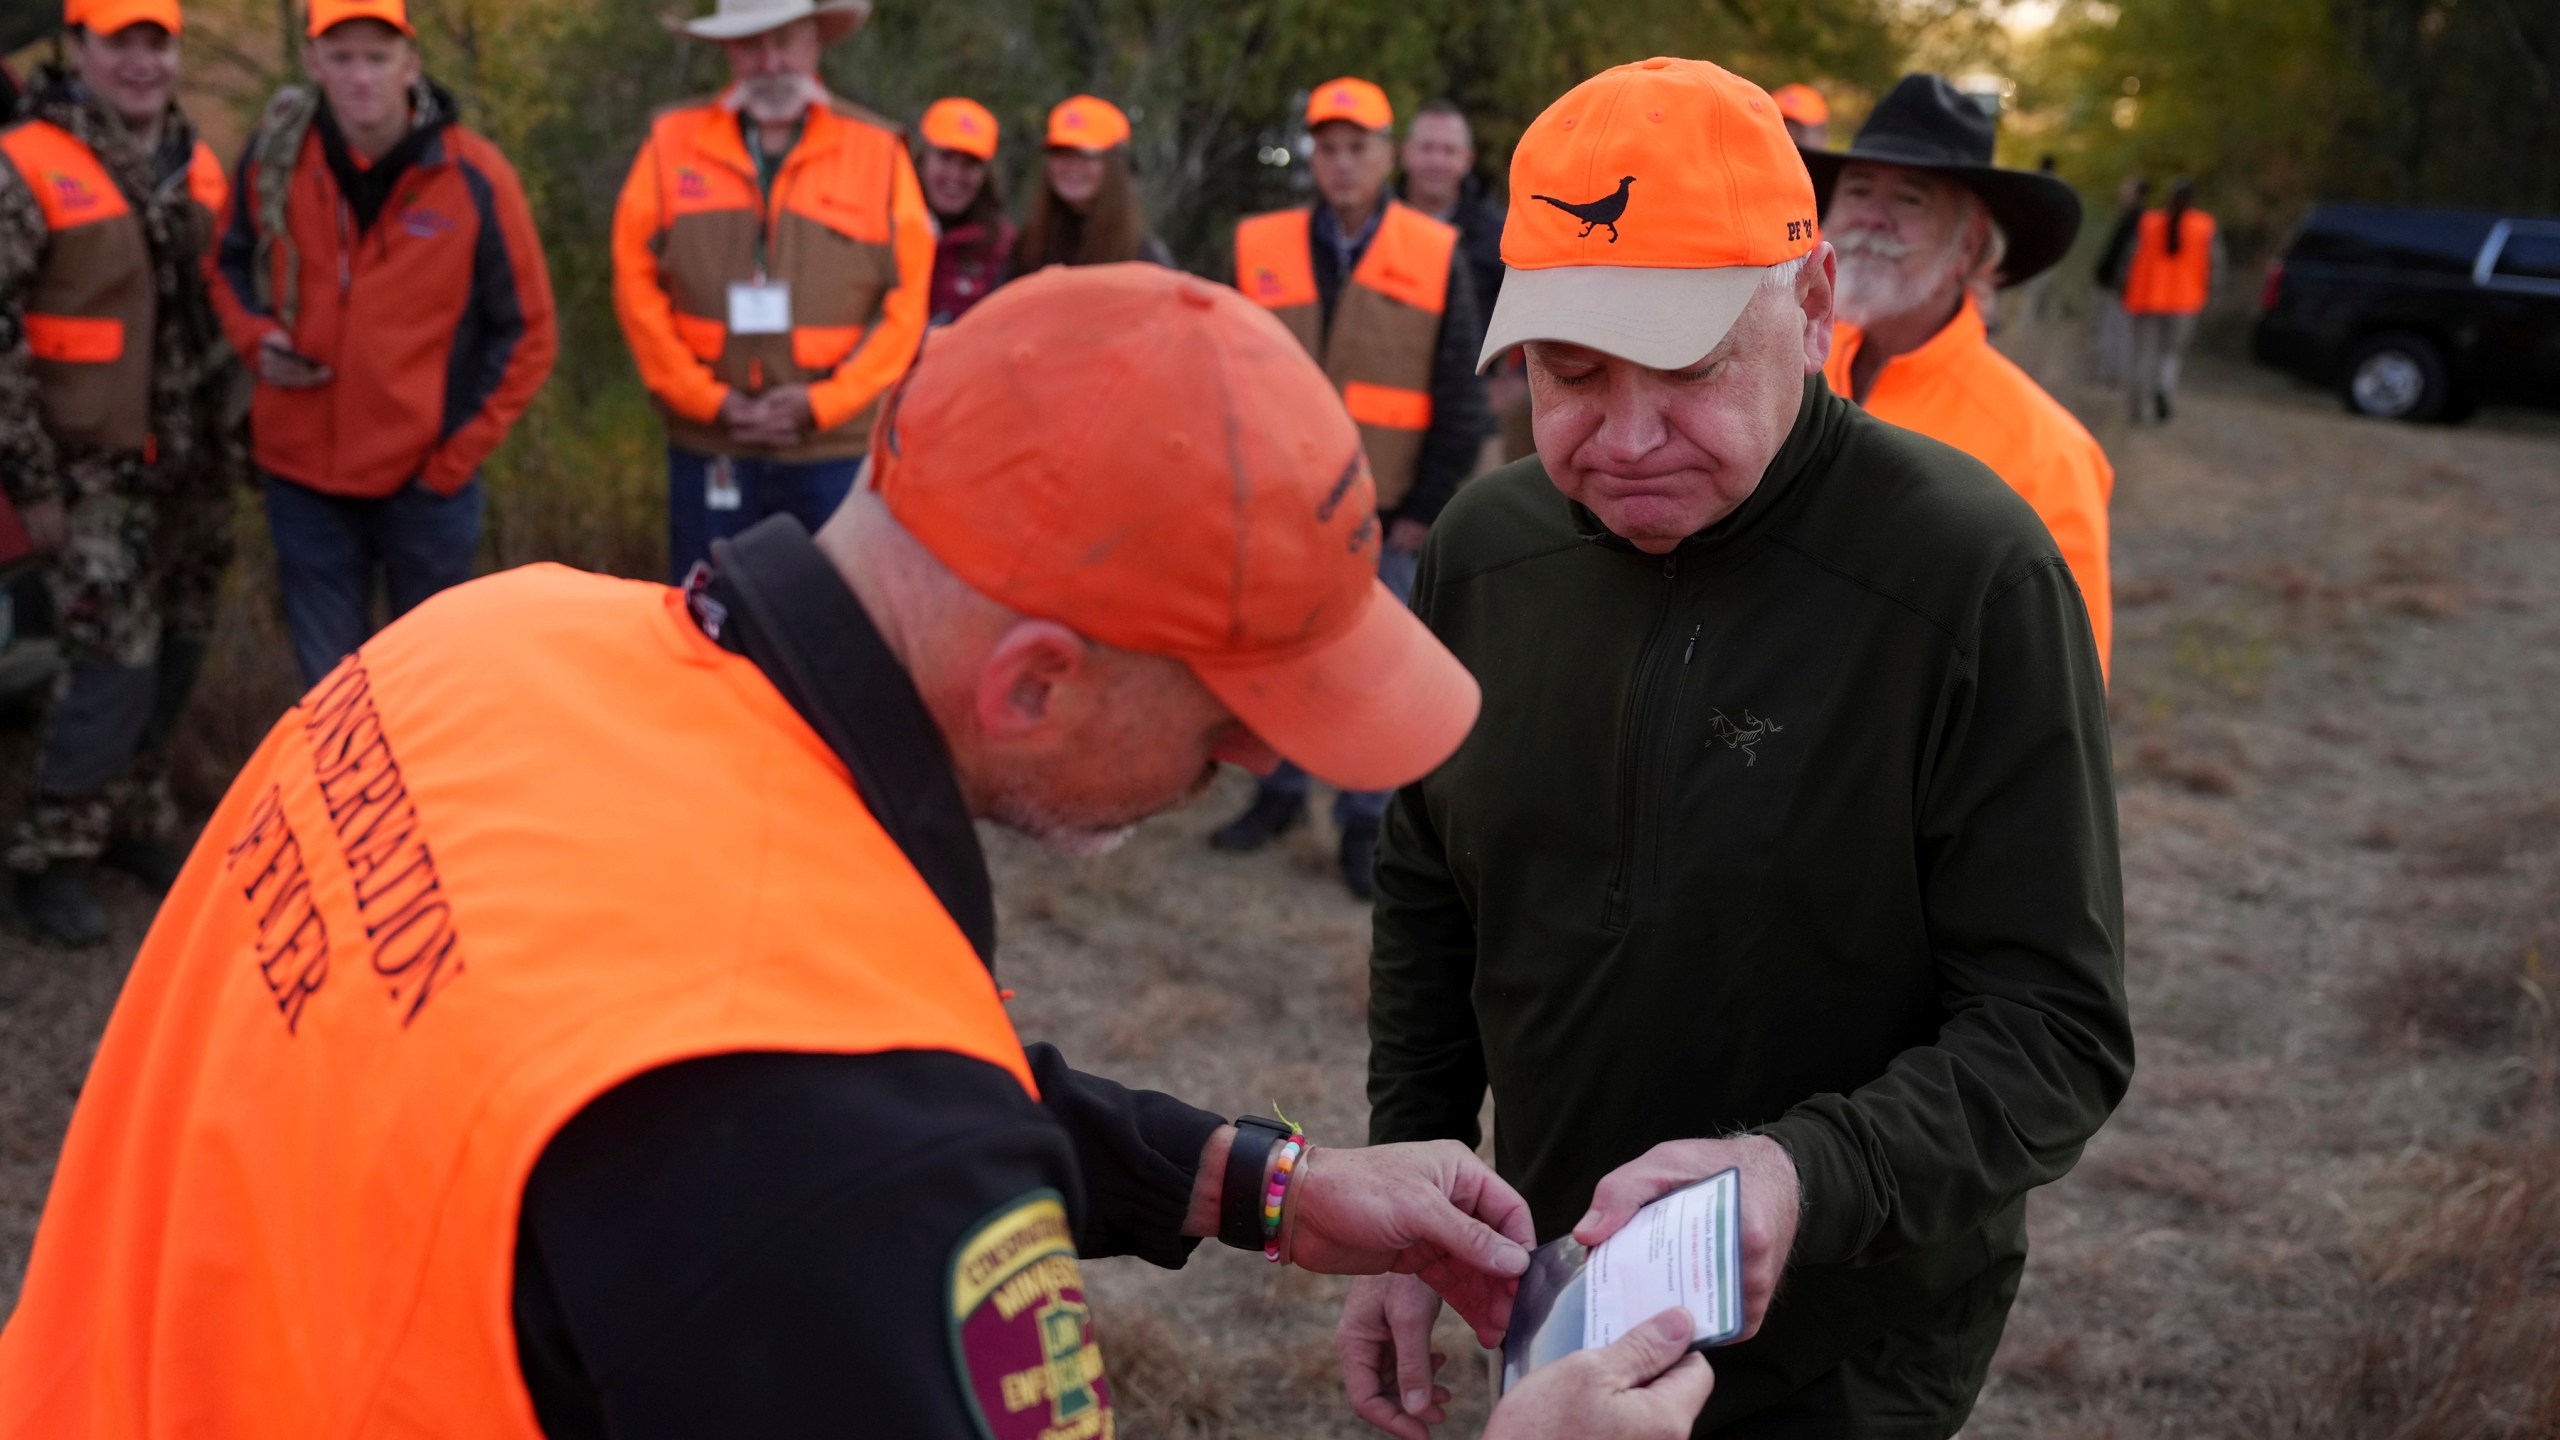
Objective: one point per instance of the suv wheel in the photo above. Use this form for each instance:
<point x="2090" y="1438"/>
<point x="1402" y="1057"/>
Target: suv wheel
<point x="2399" y="376"/>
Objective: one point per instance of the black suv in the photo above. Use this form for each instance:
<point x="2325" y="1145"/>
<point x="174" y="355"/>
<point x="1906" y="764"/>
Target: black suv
<point x="2417" y="314"/>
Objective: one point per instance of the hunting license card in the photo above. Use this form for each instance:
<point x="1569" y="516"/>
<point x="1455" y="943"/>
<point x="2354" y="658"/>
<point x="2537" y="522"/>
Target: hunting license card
<point x="1684" y="1249"/>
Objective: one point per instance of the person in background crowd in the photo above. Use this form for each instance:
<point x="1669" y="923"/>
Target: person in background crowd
<point x="2175" y="271"/>
<point x="1085" y="210"/>
<point x="1807" y="114"/>
<point x="382" y="275"/>
<point x="120" y="442"/>
<point x="1440" y="180"/>
<point x="1787" y="843"/>
<point x="1920" y="218"/>
<point x="1374" y="290"/>
<point x="772" y="267"/>
<point x="2114" y="350"/>
<point x="974" y="240"/>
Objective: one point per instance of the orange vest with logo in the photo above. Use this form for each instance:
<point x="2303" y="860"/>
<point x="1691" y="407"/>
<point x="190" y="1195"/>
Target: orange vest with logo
<point x="2159" y="283"/>
<point x="1386" y="323"/>
<point x="826" y="231"/>
<point x="537" y="839"/>
<point x="91" y="310"/>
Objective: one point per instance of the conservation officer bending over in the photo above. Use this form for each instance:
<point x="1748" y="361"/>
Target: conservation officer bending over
<point x="772" y="264"/>
<point x="1373" y="288"/>
<point x="120" y="442"/>
<point x="1789" y="842"/>
<point x="577" y="1020"/>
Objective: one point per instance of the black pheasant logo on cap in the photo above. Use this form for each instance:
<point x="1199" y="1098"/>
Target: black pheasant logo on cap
<point x="1607" y="210"/>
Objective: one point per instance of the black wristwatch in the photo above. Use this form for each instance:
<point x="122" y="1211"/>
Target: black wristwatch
<point x="1240" y="1194"/>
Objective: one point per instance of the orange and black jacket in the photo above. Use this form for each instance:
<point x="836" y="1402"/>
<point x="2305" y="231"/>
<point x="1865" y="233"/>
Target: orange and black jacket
<point x="435" y="319"/>
<point x="845" y="226"/>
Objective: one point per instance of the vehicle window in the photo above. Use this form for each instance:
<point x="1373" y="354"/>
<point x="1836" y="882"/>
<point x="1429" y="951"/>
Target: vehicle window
<point x="2530" y="255"/>
<point x="2382" y="238"/>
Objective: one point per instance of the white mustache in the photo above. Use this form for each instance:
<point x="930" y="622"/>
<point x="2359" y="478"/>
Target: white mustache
<point x="1870" y="242"/>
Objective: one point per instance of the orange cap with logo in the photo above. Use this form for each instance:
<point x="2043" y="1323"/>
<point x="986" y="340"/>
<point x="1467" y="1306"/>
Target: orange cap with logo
<point x="327" y="15"/>
<point x="1353" y="99"/>
<point x="961" y="124"/>
<point x="1154" y="462"/>
<point x="107" y="17"/>
<point x="1803" y="104"/>
<point x="1645" y="206"/>
<point x="1087" y="123"/>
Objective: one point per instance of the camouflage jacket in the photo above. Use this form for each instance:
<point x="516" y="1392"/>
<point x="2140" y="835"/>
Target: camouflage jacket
<point x="199" y="389"/>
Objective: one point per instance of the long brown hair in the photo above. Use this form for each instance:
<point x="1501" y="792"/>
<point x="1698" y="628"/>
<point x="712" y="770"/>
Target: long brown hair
<point x="1053" y="234"/>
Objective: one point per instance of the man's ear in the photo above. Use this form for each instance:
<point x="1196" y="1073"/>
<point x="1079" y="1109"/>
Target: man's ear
<point x="1021" y="681"/>
<point x="1814" y="285"/>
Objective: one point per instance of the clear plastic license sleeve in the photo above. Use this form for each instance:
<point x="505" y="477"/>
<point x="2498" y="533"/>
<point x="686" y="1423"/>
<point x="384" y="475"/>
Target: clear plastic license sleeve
<point x="1684" y="1249"/>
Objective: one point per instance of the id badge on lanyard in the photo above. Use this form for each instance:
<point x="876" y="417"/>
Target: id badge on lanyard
<point x="760" y="307"/>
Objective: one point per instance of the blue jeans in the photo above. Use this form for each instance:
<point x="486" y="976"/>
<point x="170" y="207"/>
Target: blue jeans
<point x="1353" y="807"/>
<point x="810" y="490"/>
<point x="329" y="548"/>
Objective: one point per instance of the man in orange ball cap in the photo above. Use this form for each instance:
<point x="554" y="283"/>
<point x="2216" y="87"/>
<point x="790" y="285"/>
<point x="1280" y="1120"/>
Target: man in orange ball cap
<point x="1375" y="290"/>
<point x="1788" y="843"/>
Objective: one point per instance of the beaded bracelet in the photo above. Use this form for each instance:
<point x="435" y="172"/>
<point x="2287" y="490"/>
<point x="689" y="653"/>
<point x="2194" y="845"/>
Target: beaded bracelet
<point x="1284" y="1163"/>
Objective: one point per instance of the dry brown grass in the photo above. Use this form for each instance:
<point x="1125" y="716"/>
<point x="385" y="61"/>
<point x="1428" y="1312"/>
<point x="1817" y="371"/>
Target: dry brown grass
<point x="2455" y="1333"/>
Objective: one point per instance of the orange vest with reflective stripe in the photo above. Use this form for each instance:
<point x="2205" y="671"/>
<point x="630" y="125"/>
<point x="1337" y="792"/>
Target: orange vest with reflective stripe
<point x="1386" y="323"/>
<point x="2159" y="283"/>
<point x="826" y="231"/>
<point x="91" y="310"/>
<point x="538" y="838"/>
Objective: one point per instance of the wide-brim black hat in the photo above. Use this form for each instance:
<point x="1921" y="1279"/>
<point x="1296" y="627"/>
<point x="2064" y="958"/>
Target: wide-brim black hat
<point x="1928" y="124"/>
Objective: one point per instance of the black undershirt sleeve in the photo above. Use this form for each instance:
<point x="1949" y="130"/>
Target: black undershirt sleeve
<point x="762" y="1243"/>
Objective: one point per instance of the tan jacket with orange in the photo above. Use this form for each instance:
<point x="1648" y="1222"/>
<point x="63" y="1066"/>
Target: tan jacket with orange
<point x="2157" y="282"/>
<point x="538" y="838"/>
<point x="1386" y="325"/>
<point x="846" y="228"/>
<point x="91" y="308"/>
<point x="1959" y="391"/>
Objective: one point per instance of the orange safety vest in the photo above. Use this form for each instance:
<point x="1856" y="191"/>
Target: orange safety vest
<point x="1386" y="324"/>
<point x="539" y="838"/>
<point x="845" y="227"/>
<point x="92" y="308"/>
<point x="2159" y="283"/>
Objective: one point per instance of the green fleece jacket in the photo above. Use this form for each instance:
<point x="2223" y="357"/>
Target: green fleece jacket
<point x="1807" y="829"/>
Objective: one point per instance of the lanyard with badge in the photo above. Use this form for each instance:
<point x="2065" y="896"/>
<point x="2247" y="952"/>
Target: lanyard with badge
<point x="761" y="306"/>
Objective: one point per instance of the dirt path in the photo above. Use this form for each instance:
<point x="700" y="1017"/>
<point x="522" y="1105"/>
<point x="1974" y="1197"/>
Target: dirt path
<point x="2337" y="651"/>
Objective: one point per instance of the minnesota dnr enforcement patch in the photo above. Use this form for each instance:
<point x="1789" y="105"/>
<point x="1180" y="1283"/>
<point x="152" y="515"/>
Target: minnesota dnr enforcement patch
<point x="1020" y="1330"/>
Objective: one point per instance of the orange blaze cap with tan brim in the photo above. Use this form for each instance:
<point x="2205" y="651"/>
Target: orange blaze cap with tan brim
<point x="1645" y="207"/>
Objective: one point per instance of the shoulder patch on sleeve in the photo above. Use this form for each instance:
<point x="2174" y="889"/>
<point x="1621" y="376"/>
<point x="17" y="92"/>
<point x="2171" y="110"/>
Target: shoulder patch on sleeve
<point x="1021" y="1332"/>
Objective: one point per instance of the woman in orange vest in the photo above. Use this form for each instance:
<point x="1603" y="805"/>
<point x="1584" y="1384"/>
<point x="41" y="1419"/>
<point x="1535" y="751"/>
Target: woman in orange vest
<point x="973" y="241"/>
<point x="1086" y="210"/>
<point x="578" y="1019"/>
<point x="2176" y="269"/>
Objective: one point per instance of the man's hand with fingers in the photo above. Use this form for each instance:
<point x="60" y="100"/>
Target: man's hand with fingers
<point x="1772" y="1202"/>
<point x="1432" y="1211"/>
<point x="1648" y="1386"/>
<point x="1388" y="1365"/>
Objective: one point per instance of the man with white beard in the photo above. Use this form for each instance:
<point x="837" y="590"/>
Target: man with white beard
<point x="1920" y="217"/>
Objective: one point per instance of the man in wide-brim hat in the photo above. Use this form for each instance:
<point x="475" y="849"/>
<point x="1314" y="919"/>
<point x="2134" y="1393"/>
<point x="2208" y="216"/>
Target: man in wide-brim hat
<point x="1921" y="219"/>
<point x="773" y="268"/>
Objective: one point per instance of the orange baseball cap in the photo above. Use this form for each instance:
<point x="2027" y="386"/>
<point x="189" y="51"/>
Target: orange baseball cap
<point x="1153" y="461"/>
<point x="1352" y="99"/>
<point x="107" y="17"/>
<point x="1645" y="205"/>
<point x="1803" y="104"/>
<point x="1087" y="123"/>
<point x="327" y="15"/>
<point x="961" y="124"/>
